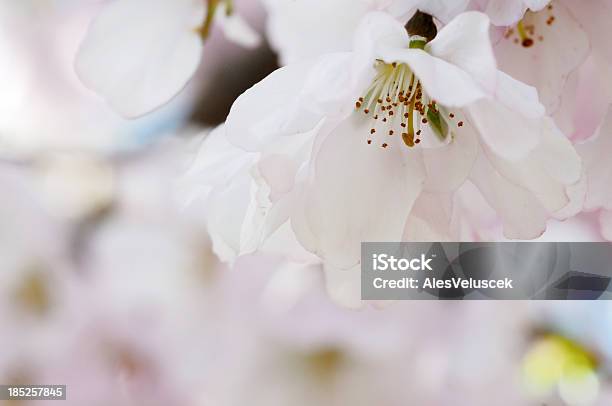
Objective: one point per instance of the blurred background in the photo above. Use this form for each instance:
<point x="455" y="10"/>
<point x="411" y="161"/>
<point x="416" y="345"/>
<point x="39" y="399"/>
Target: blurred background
<point x="108" y="287"/>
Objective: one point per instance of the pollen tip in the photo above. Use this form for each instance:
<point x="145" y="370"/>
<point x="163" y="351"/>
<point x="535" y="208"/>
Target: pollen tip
<point x="408" y="139"/>
<point x="527" y="42"/>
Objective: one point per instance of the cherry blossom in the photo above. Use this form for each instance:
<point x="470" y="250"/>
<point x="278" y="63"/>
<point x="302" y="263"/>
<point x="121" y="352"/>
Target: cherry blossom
<point x="399" y="116"/>
<point x="543" y="43"/>
<point x="138" y="54"/>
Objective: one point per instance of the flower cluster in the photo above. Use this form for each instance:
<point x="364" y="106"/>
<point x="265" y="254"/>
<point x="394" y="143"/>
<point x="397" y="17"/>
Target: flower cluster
<point x="187" y="184"/>
<point x="415" y="121"/>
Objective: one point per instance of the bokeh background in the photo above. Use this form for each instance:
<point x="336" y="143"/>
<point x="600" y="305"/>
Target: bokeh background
<point x="108" y="286"/>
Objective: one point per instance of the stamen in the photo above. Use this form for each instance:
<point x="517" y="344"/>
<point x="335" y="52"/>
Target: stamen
<point x="525" y="40"/>
<point x="398" y="98"/>
<point x="531" y="27"/>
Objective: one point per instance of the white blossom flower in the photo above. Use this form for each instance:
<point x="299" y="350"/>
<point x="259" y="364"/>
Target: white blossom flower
<point x="542" y="43"/>
<point x="397" y="117"/>
<point x="138" y="54"/>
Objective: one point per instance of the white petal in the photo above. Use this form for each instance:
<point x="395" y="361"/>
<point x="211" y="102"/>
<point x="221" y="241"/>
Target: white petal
<point x="344" y="286"/>
<point x="138" y="54"/>
<point x="226" y="210"/>
<point x="382" y="37"/>
<point x="448" y="166"/>
<point x="518" y="96"/>
<point x="430" y="219"/>
<point x="444" y="10"/>
<point x="379" y="30"/>
<point x="271" y="109"/>
<point x="508" y="134"/>
<point x="218" y="187"/>
<point x="605" y="220"/>
<point x="547" y="172"/>
<point x="522" y="214"/>
<point x="358" y="192"/>
<point x="576" y="194"/>
<point x="449" y="85"/>
<point x="473" y="219"/>
<point x="465" y="43"/>
<point x="217" y="160"/>
<point x="594" y="17"/>
<point x="563" y="47"/>
<point x="236" y="29"/>
<point x="596" y="155"/>
<point x="505" y="12"/>
<point x="302" y="29"/>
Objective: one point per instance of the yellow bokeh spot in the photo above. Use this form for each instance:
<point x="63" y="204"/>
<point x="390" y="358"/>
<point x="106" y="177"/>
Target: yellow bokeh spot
<point x="554" y="361"/>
